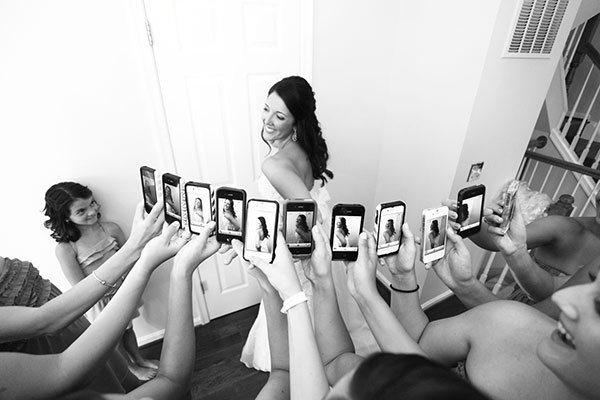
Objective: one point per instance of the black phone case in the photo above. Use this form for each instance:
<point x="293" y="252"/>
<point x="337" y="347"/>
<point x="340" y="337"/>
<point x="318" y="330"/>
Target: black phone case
<point x="463" y="212"/>
<point x="306" y="251"/>
<point x="378" y="224"/>
<point x="148" y="206"/>
<point x="349" y="210"/>
<point x="222" y="192"/>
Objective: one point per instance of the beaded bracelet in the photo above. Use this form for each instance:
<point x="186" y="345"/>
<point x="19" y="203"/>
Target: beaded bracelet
<point x="404" y="291"/>
<point x="103" y="282"/>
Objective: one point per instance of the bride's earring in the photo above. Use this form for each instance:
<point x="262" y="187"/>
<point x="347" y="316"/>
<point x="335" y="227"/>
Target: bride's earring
<point x="294" y="136"/>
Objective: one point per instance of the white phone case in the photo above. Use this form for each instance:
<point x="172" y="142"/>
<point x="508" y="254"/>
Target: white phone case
<point x="433" y="228"/>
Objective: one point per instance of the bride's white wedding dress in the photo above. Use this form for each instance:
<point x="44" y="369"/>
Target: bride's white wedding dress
<point x="256" y="352"/>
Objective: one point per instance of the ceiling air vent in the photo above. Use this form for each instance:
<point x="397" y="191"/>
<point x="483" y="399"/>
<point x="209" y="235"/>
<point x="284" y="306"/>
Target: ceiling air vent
<point x="535" y="28"/>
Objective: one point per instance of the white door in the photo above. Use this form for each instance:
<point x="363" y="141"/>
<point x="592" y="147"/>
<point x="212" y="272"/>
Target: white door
<point x="216" y="59"/>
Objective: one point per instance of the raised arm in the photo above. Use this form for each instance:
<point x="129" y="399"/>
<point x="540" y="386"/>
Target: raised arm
<point x="307" y="376"/>
<point x="25" y="322"/>
<point x="58" y="374"/>
<point x="387" y="329"/>
<point x="179" y="345"/>
<point x="278" y="384"/>
<point x="282" y="174"/>
<point x="334" y="342"/>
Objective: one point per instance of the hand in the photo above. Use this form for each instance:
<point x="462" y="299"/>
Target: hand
<point x="144" y="229"/>
<point x="198" y="249"/>
<point x="404" y="262"/>
<point x="165" y="246"/>
<point x="228" y="252"/>
<point x="237" y="248"/>
<point x="319" y="267"/>
<point x="455" y="270"/>
<point x="281" y="273"/>
<point x="361" y="274"/>
<point x="452" y="213"/>
<point x="515" y="239"/>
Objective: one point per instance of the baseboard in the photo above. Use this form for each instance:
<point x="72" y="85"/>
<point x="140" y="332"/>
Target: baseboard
<point x="437" y="299"/>
<point x="160" y="334"/>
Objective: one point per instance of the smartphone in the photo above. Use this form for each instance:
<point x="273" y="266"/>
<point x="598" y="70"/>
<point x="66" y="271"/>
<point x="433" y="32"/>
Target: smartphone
<point x="230" y="213"/>
<point x="298" y="219"/>
<point x="260" y="235"/>
<point x="346" y="224"/>
<point x="508" y="201"/>
<point x="172" y="198"/>
<point x="470" y="209"/>
<point x="433" y="242"/>
<point x="198" y="201"/>
<point x="148" y="187"/>
<point x="389" y="218"/>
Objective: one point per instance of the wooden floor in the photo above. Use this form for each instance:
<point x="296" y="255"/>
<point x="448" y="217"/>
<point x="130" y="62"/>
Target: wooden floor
<point x="219" y="374"/>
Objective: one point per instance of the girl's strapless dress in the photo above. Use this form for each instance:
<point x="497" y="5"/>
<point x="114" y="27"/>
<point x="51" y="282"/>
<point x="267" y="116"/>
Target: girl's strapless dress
<point x="256" y="352"/>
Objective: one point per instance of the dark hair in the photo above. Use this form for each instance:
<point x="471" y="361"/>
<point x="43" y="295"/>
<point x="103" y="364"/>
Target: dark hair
<point x="299" y="98"/>
<point x="263" y="225"/>
<point x="303" y="224"/>
<point x="386" y="376"/>
<point x="435" y="227"/>
<point x="393" y="229"/>
<point x="198" y="199"/>
<point x="232" y="211"/>
<point x="343" y="226"/>
<point x="59" y="199"/>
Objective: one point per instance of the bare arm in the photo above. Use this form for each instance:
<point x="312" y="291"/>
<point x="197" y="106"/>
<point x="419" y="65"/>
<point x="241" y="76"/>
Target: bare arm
<point x="387" y="329"/>
<point x="179" y="345"/>
<point x="284" y="178"/>
<point x="58" y="374"/>
<point x="25" y="322"/>
<point x="115" y="231"/>
<point x="334" y="342"/>
<point x="68" y="263"/>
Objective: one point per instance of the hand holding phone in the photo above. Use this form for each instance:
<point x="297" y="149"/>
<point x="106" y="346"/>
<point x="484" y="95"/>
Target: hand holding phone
<point x="433" y="229"/>
<point x="298" y="219"/>
<point x="230" y="213"/>
<point x="470" y="209"/>
<point x="346" y="225"/>
<point x="260" y="235"/>
<point x="388" y="221"/>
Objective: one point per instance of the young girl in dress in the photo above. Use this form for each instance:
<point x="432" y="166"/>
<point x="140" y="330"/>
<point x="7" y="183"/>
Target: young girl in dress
<point x="84" y="244"/>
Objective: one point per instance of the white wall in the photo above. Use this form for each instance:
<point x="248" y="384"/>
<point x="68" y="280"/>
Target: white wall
<point x="74" y="107"/>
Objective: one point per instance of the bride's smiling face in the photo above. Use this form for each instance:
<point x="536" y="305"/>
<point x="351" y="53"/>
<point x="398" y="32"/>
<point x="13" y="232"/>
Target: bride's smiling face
<point x="278" y="121"/>
<point x="572" y="352"/>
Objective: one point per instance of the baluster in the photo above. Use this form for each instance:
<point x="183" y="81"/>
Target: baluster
<point x="573" y="47"/>
<point x="562" y="179"/>
<point x="589" y="145"/>
<point x="565" y="129"/>
<point x="484" y="275"/>
<point x="533" y="173"/>
<point x="589" y="199"/>
<point x="585" y="119"/>
<point x="498" y="284"/>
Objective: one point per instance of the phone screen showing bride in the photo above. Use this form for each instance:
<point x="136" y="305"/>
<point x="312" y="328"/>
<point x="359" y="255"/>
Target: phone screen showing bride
<point x="261" y="229"/>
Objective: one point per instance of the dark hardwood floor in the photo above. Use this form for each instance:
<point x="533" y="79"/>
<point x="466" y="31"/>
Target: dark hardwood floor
<point x="219" y="374"/>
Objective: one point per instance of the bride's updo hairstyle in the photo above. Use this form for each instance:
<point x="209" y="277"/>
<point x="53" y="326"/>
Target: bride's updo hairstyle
<point x="299" y="98"/>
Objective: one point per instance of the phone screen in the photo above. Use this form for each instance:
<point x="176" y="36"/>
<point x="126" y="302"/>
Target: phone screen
<point x="469" y="212"/>
<point x="435" y="234"/>
<point x="261" y="229"/>
<point x="148" y="187"/>
<point x="298" y="232"/>
<point x="231" y="216"/>
<point x="171" y="195"/>
<point x="198" y="206"/>
<point x="347" y="229"/>
<point x="390" y="228"/>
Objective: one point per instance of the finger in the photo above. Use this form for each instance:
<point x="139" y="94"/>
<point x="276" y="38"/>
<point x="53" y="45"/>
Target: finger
<point x="237" y="246"/>
<point x="170" y="230"/>
<point x="363" y="248"/>
<point x="321" y="242"/>
<point x="205" y="232"/>
<point x="225" y="248"/>
<point x="452" y="216"/>
<point x="229" y="257"/>
<point x="453" y="236"/>
<point x="451" y="204"/>
<point x="454" y="225"/>
<point x="260" y="264"/>
<point x="139" y="211"/>
<point x="372" y="244"/>
<point x="281" y="247"/>
<point x="156" y="211"/>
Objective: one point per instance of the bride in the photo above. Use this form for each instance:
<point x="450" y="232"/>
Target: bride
<point x="296" y="168"/>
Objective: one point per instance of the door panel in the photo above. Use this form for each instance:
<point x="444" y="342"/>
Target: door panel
<point x="216" y="60"/>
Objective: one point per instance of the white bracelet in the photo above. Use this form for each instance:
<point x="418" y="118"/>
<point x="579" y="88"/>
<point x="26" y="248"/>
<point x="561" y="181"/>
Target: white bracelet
<point x="293" y="301"/>
<point x="103" y="282"/>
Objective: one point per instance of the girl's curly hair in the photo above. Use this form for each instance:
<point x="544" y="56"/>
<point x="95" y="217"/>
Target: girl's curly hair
<point x="59" y="199"/>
